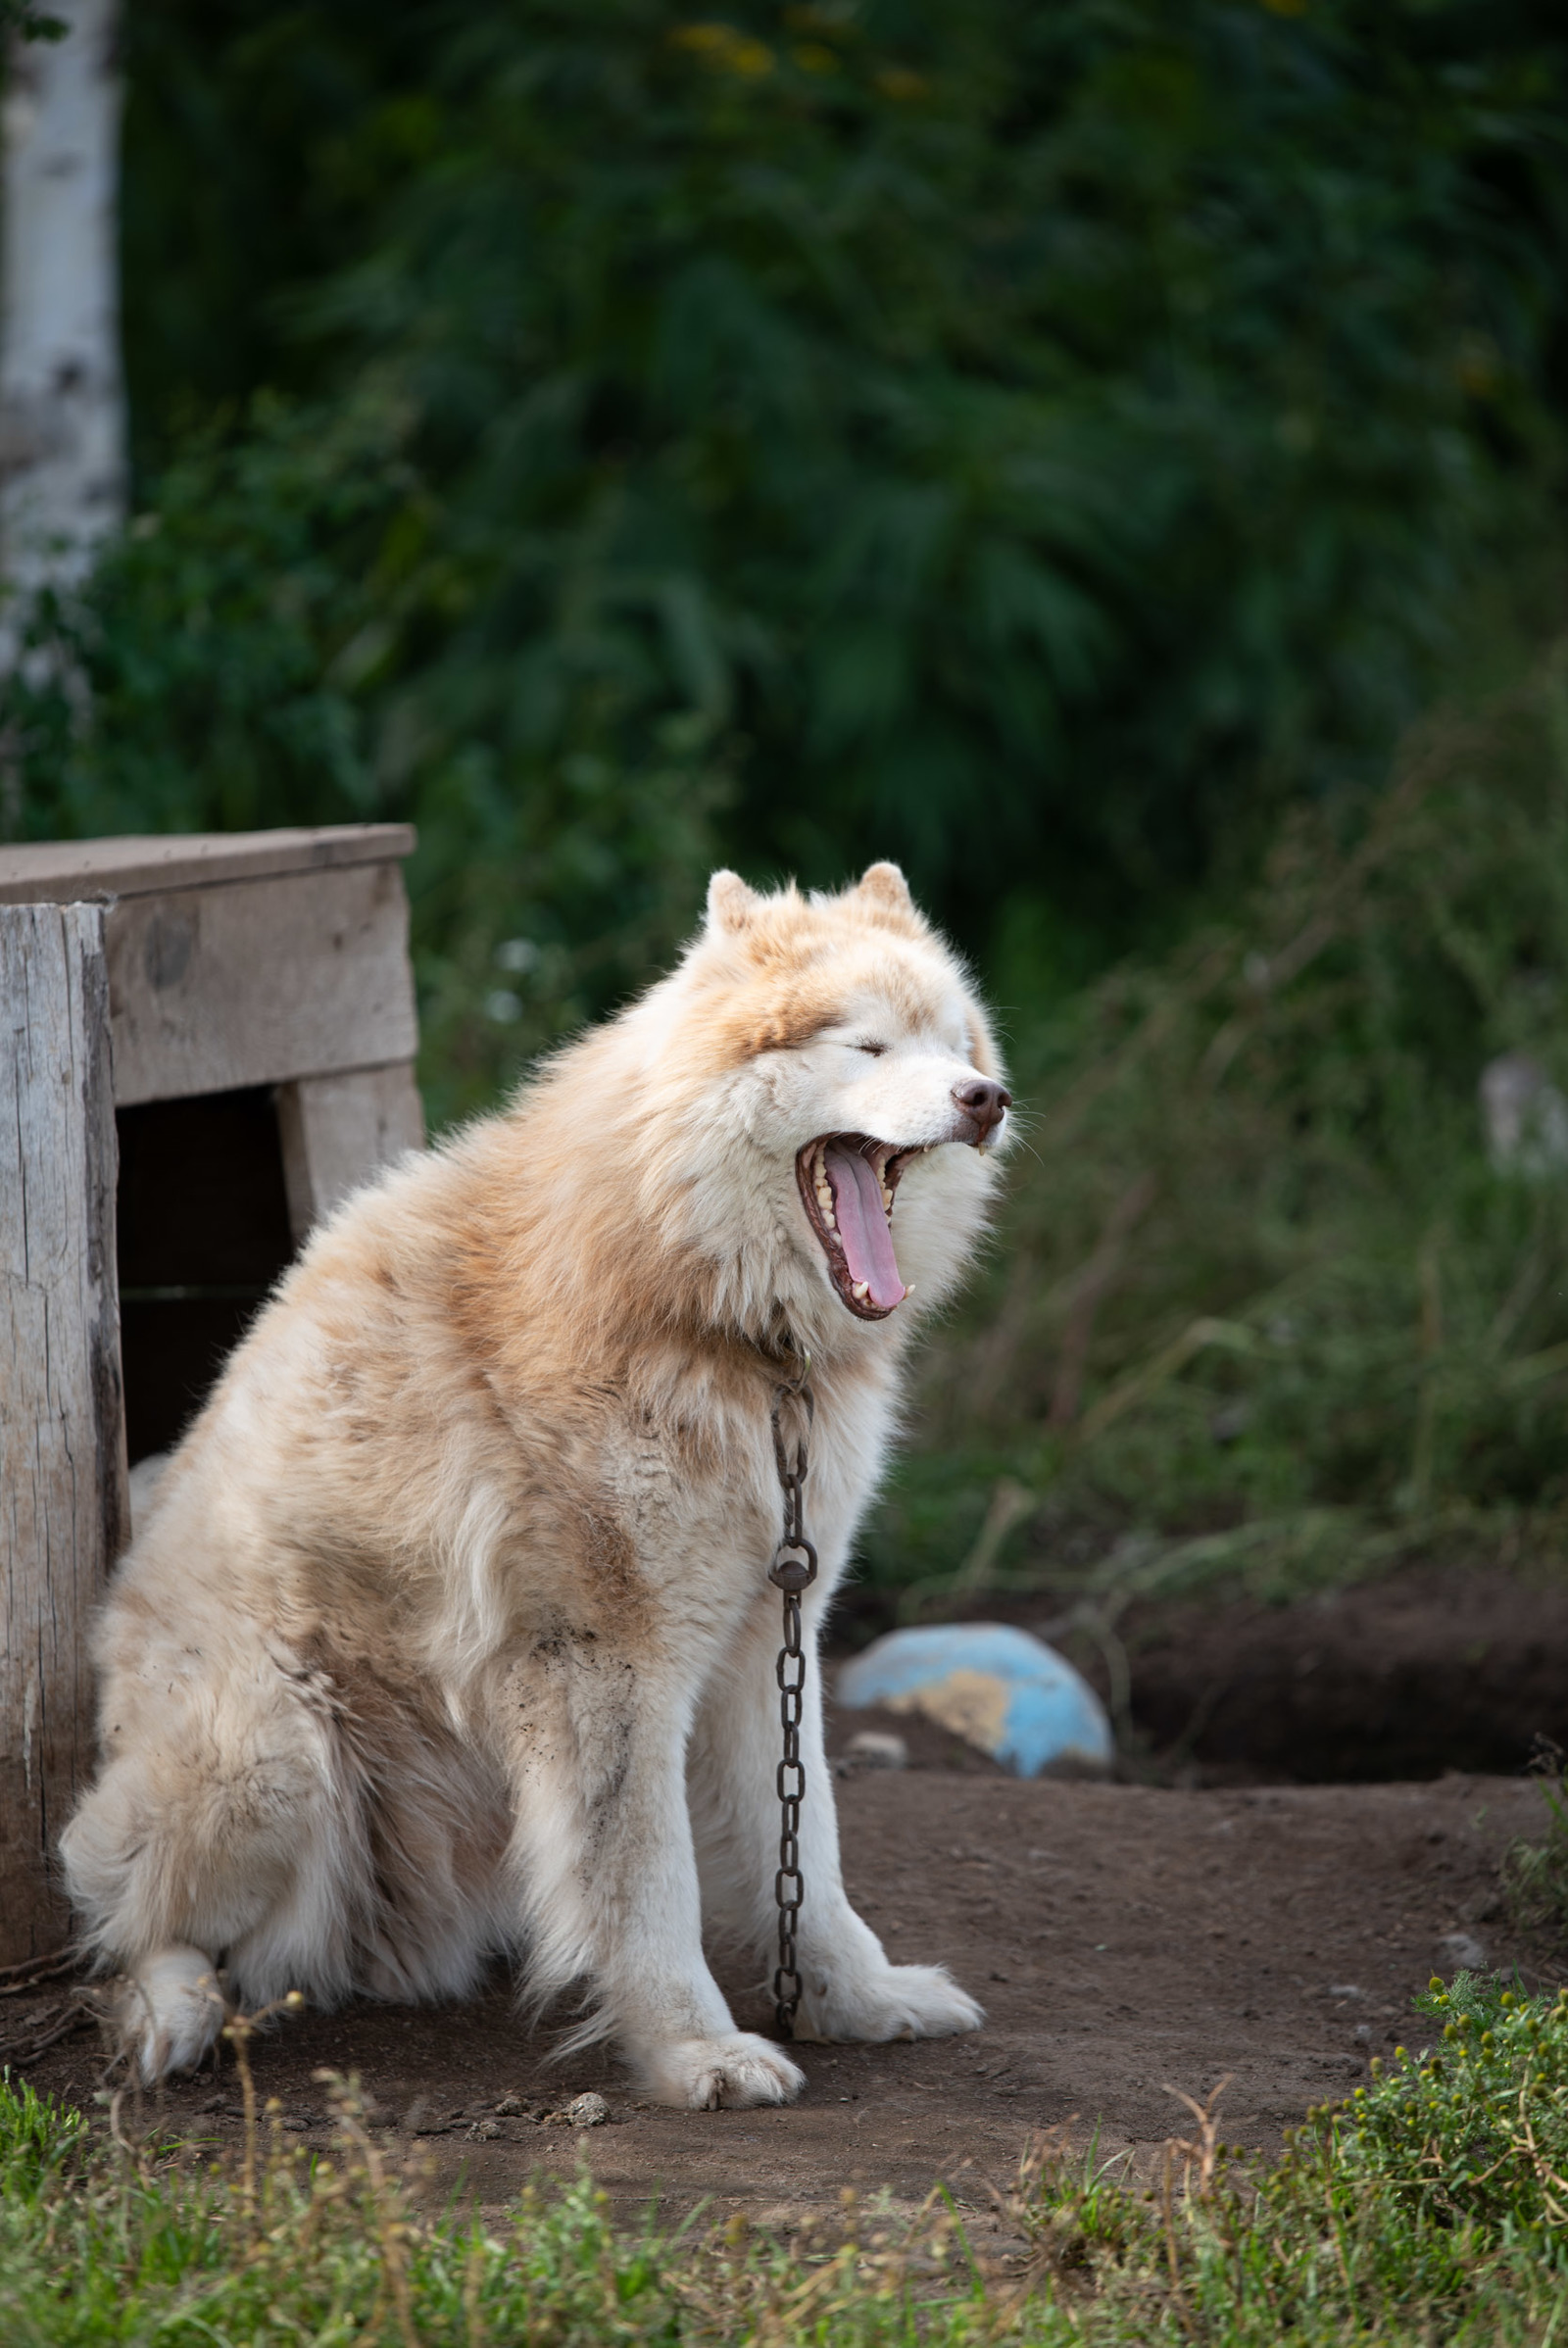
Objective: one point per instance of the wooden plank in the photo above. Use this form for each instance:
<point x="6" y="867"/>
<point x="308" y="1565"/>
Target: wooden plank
<point x="338" y="1130"/>
<point x="58" y="871"/>
<point x="63" y="1501"/>
<point x="258" y="981"/>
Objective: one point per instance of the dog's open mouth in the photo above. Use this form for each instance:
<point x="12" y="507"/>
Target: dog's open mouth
<point x="846" y="1183"/>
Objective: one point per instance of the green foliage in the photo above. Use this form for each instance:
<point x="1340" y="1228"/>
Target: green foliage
<point x="1471" y="2139"/>
<point x="219" y="644"/>
<point x="1433" y="2206"/>
<point x="1262" y="1299"/>
<point x="1037" y="443"/>
<point x="250" y="654"/>
<point x="1534" y="1875"/>
<point x="40" y="2144"/>
<point x="1067" y="414"/>
<point x="29" y="24"/>
<point x="291" y="124"/>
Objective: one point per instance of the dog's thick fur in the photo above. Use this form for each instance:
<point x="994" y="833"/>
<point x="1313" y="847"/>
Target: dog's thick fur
<point x="449" y="1628"/>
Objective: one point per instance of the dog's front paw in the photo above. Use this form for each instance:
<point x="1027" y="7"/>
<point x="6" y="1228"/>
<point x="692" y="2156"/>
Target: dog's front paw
<point x="169" y="2011"/>
<point x="712" y="2075"/>
<point x="898" y="2002"/>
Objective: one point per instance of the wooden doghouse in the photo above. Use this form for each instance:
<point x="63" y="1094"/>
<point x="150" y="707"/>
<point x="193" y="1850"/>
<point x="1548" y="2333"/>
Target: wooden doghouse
<point x="205" y="1042"/>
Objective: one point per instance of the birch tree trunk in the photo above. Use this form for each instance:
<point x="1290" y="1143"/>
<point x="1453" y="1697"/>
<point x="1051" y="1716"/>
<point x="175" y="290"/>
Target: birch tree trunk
<point x="62" y="400"/>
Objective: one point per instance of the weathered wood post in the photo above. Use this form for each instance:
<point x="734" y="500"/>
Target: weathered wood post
<point x="64" y="1509"/>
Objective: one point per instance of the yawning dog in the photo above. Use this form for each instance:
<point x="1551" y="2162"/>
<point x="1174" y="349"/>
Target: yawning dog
<point x="449" y="1629"/>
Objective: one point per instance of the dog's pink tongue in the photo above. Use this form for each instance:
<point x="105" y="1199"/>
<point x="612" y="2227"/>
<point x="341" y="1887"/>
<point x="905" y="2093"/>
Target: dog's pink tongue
<point x="863" y="1227"/>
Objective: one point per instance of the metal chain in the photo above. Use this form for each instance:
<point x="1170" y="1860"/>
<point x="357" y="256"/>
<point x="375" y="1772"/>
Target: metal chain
<point x="793" y="1570"/>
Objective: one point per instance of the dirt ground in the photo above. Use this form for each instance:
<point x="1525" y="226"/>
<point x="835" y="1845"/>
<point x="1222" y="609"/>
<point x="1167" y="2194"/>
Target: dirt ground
<point x="1124" y="1940"/>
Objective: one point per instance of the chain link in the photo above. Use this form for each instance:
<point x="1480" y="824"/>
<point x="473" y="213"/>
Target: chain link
<point x="793" y="1570"/>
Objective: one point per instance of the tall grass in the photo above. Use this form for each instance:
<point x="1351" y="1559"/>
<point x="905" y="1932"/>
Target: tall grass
<point x="1265" y="1304"/>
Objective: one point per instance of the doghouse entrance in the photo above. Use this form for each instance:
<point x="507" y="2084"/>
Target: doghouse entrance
<point x="202" y="1234"/>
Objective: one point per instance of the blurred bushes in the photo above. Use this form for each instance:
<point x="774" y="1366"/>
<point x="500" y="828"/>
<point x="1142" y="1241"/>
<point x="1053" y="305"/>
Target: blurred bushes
<point x="1267" y="1303"/>
<point x="1042" y="444"/>
<point x="261" y="649"/>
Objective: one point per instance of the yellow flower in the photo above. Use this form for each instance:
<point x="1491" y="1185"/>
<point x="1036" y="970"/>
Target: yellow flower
<point x="722" y="47"/>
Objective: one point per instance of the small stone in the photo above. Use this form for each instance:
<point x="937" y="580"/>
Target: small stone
<point x="1463" y="1952"/>
<point x="486" y="2130"/>
<point x="877" y="1748"/>
<point x="586" y="2111"/>
<point x="510" y="2108"/>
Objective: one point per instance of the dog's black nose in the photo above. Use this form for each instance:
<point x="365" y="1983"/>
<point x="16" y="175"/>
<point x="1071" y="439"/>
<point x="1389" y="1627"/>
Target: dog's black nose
<point x="984" y="1103"/>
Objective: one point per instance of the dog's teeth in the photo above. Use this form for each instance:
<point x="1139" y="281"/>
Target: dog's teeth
<point x="861" y="1289"/>
<point x="887" y="1200"/>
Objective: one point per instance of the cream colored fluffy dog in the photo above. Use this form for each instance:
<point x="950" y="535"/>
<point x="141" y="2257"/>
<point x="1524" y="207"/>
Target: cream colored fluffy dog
<point x="450" y="1628"/>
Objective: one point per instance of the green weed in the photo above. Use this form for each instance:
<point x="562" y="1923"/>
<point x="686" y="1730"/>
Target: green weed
<point x="1534" y="1875"/>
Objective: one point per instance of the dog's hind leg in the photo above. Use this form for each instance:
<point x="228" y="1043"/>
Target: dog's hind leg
<point x="607" y="1876"/>
<point x="220" y="1827"/>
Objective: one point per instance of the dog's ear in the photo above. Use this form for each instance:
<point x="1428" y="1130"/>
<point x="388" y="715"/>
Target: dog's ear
<point x="887" y="887"/>
<point x="730" y="902"/>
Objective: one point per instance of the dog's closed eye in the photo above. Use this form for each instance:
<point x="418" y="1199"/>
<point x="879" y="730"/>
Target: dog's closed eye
<point x="876" y="1049"/>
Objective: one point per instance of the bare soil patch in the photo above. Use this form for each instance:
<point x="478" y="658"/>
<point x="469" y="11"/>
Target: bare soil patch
<point x="1403" y="1677"/>
<point x="1123" y="1939"/>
